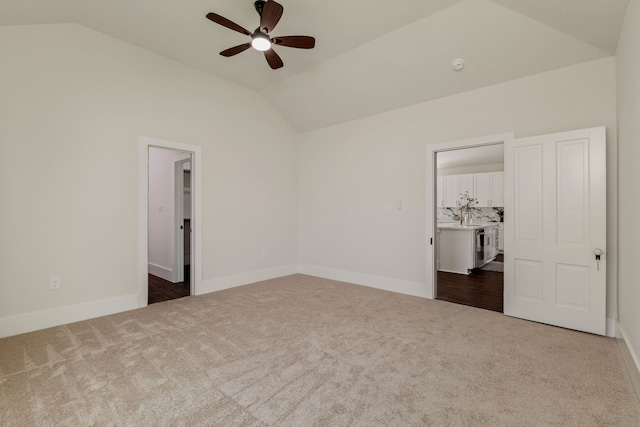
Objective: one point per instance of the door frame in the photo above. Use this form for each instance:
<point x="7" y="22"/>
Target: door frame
<point x="178" y="217"/>
<point x="432" y="182"/>
<point x="143" y="213"/>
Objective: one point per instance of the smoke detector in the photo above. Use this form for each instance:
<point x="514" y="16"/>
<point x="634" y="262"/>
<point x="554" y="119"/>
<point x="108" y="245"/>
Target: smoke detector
<point x="458" y="64"/>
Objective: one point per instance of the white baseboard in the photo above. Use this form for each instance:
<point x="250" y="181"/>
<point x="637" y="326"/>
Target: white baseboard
<point x="220" y="283"/>
<point x="400" y="286"/>
<point x="633" y="351"/>
<point x="160" y="271"/>
<point x="28" y="322"/>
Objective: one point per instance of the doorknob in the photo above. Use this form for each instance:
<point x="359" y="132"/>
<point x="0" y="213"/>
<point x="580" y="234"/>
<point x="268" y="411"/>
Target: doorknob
<point x="597" y="252"/>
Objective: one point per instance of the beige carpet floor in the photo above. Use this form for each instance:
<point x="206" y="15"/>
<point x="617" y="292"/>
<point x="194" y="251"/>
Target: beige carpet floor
<point x="303" y="351"/>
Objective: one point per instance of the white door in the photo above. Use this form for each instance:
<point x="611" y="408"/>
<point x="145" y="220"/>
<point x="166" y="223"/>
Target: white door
<point x="555" y="219"/>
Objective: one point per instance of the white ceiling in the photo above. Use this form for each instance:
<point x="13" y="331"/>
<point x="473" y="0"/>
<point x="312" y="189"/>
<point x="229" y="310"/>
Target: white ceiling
<point x="371" y="56"/>
<point x="484" y="155"/>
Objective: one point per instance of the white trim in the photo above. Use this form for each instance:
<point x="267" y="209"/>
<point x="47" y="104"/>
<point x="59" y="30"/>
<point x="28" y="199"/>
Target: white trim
<point x="143" y="213"/>
<point x="160" y="271"/>
<point x="431" y="178"/>
<point x="632" y="351"/>
<point x="178" y="218"/>
<point x="220" y="283"/>
<point x="610" y="328"/>
<point x="28" y="322"/>
<point x="400" y="286"/>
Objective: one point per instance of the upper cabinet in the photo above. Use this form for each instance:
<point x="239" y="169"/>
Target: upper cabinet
<point x="450" y="190"/>
<point x="489" y="189"/>
<point x="451" y="186"/>
<point x="497" y="189"/>
<point x="466" y="184"/>
<point x="486" y="187"/>
<point x="482" y="188"/>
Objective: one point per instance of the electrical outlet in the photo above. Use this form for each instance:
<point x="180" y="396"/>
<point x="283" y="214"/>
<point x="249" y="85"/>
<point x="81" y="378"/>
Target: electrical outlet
<point x="263" y="254"/>
<point x="314" y="258"/>
<point x="55" y="283"/>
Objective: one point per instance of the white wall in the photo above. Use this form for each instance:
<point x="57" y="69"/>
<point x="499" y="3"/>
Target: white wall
<point x="73" y="105"/>
<point x="349" y="172"/>
<point x="75" y="102"/>
<point x="161" y="211"/>
<point x="628" y="78"/>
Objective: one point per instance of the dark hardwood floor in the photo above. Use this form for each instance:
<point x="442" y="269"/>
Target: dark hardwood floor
<point x="163" y="290"/>
<point x="482" y="289"/>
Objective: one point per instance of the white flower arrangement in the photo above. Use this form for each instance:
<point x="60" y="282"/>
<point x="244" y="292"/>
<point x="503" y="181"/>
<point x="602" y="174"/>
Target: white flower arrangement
<point x="466" y="202"/>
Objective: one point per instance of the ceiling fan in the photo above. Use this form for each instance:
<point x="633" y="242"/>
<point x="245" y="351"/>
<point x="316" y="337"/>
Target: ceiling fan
<point x="270" y="13"/>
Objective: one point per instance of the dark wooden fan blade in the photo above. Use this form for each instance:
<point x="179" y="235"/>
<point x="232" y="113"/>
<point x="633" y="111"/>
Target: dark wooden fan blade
<point x="273" y="59"/>
<point x="300" y="42"/>
<point x="235" y="50"/>
<point x="271" y="14"/>
<point x="226" y="23"/>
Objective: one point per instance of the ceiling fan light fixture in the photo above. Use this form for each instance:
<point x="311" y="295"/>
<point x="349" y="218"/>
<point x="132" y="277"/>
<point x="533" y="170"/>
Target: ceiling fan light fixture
<point x="270" y="13"/>
<point x="260" y="41"/>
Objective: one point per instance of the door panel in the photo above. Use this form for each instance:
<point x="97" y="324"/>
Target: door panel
<point x="528" y="280"/>
<point x="573" y="286"/>
<point x="573" y="192"/>
<point x="528" y="193"/>
<point x="555" y="188"/>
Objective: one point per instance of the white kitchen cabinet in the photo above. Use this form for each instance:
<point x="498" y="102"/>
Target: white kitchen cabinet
<point x="453" y="186"/>
<point x="491" y="242"/>
<point x="456" y="250"/>
<point x="497" y="189"/>
<point x="501" y="237"/>
<point x="450" y="190"/>
<point x="482" y="188"/>
<point x="488" y="188"/>
<point x="461" y="248"/>
<point x="466" y="184"/>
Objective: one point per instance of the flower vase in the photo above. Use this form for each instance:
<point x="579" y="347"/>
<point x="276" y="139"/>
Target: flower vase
<point x="467" y="218"/>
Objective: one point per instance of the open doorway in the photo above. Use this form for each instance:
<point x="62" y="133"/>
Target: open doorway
<point x="169" y="224"/>
<point x="469" y="250"/>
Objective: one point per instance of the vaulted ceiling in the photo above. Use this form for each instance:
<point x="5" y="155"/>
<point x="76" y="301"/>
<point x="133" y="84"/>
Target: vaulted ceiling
<point x="371" y="56"/>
